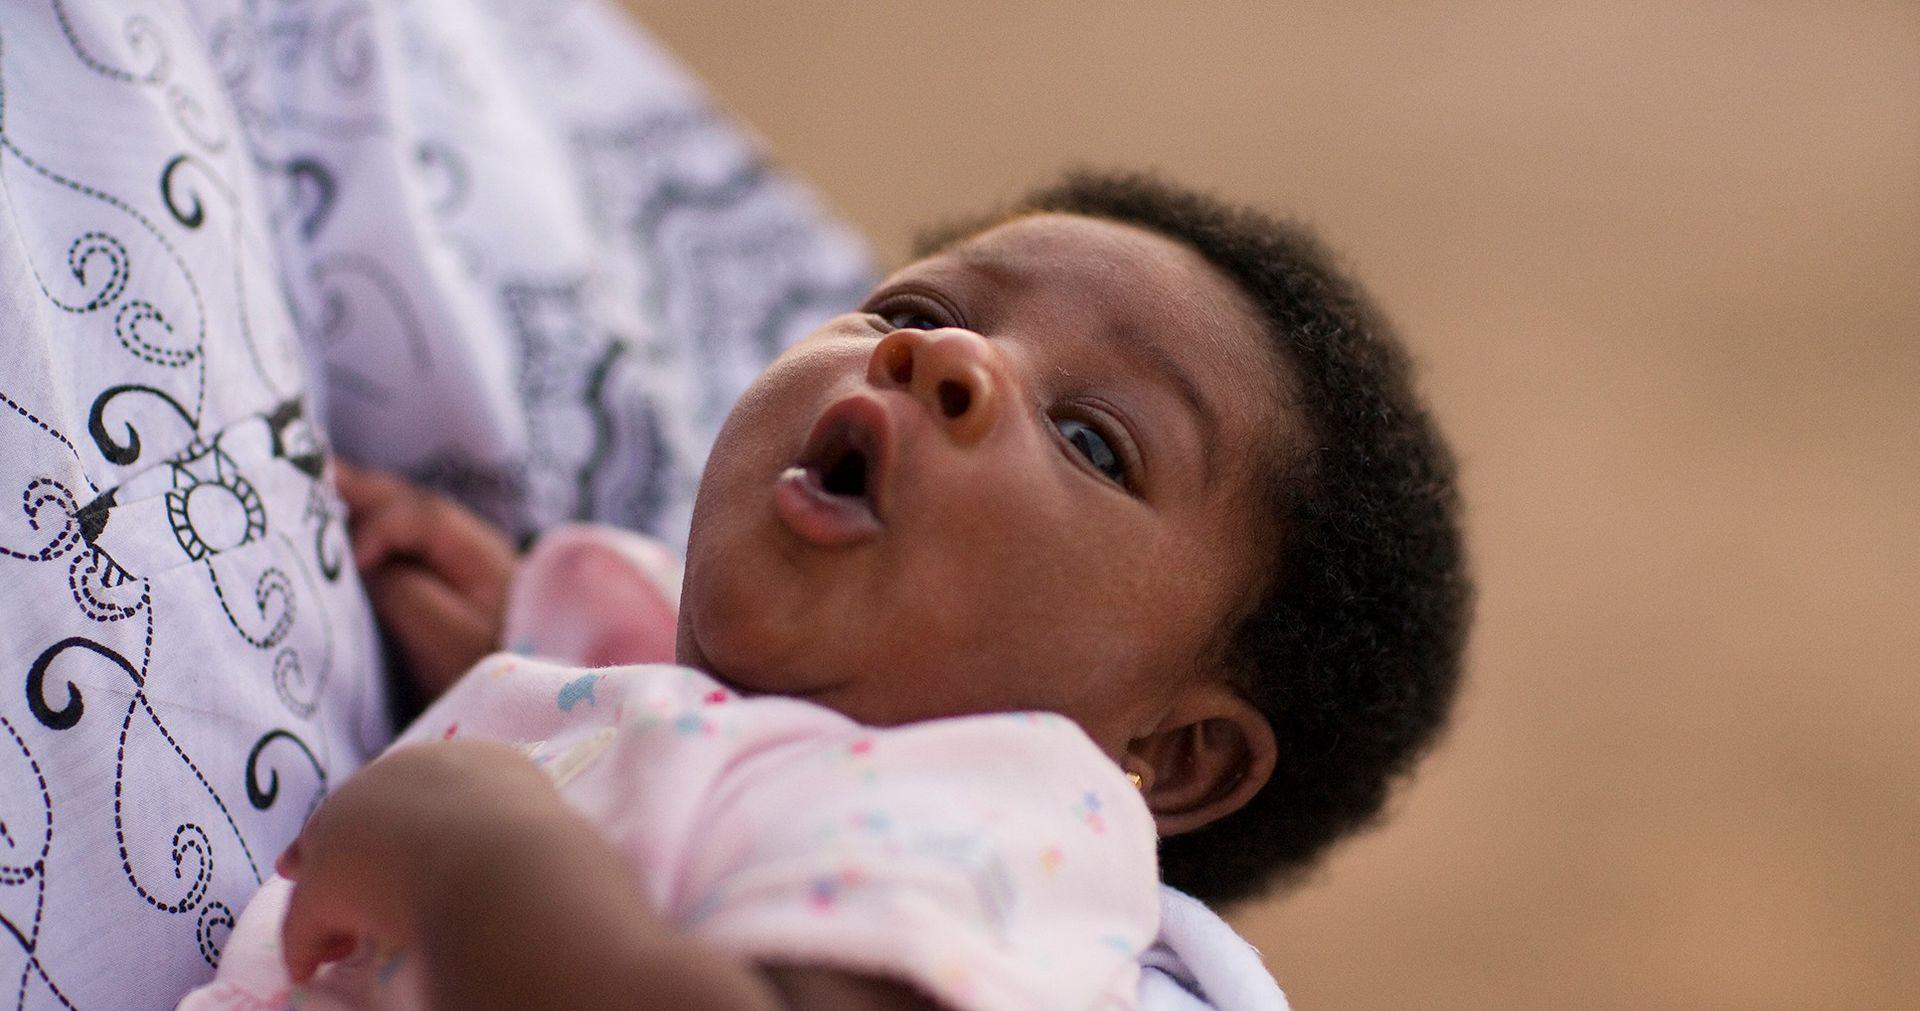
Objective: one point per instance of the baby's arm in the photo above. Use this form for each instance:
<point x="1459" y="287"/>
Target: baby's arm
<point x="464" y="853"/>
<point x="436" y="572"/>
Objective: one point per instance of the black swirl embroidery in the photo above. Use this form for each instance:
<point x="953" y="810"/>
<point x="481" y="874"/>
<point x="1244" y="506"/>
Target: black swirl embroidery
<point x="137" y="321"/>
<point x="189" y="839"/>
<point x="191" y="218"/>
<point x="642" y="500"/>
<point x="349" y="43"/>
<point x="45" y="428"/>
<point x="290" y="672"/>
<point x="345" y="47"/>
<point x="442" y="162"/>
<point x="201" y="126"/>
<point x="606" y="155"/>
<point x="213" y="915"/>
<point x="677" y="195"/>
<point x="26" y="861"/>
<point x="46" y="497"/>
<point x="143" y="38"/>
<point x="327" y="552"/>
<point x="67" y="715"/>
<point x="602" y="446"/>
<point x="147" y="44"/>
<point x="262" y="796"/>
<point x="289" y="675"/>
<point x="124" y="453"/>
<point x="138" y="317"/>
<point x="84" y="259"/>
<point x="331" y="273"/>
<point x="99" y="585"/>
<point x="309" y="175"/>
<point x="183" y="202"/>
<point x="272" y="591"/>
<point x="26" y="866"/>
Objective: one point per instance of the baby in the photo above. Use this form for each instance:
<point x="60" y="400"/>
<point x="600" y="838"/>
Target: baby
<point x="1106" y="544"/>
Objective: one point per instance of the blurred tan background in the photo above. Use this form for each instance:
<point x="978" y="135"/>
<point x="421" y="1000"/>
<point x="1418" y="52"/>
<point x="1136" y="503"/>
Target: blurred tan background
<point x="1661" y="262"/>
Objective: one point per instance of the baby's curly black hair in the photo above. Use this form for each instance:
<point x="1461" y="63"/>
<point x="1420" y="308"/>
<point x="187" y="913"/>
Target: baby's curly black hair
<point x="1353" y="647"/>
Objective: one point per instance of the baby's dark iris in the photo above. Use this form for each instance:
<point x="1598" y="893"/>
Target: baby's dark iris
<point x="908" y="320"/>
<point x="1088" y="441"/>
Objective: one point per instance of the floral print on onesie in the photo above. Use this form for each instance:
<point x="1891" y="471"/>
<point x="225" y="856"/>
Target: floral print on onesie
<point x="995" y="861"/>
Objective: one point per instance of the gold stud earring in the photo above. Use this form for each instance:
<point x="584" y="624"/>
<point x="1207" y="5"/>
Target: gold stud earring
<point x="1136" y="780"/>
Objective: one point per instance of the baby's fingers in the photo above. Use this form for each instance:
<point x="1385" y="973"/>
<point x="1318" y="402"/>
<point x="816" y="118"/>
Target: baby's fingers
<point x="311" y="937"/>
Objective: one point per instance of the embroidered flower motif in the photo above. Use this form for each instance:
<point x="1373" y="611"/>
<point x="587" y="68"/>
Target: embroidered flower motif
<point x="211" y="507"/>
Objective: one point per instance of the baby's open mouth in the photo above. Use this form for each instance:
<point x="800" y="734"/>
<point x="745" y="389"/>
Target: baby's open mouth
<point x="842" y="467"/>
<point x="829" y="495"/>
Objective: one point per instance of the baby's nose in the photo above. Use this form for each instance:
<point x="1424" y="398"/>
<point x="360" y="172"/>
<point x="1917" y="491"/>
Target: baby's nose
<point x="949" y="370"/>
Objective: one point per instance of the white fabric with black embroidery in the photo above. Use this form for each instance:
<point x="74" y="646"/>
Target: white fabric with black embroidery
<point x="506" y="248"/>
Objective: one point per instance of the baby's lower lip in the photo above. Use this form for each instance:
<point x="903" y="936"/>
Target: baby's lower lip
<point x="819" y="516"/>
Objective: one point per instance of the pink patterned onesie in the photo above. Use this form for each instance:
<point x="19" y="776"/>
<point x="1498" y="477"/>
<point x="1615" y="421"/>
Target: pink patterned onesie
<point x="995" y="862"/>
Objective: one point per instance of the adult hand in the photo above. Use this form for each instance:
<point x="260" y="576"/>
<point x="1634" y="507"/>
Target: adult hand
<point x="436" y="572"/>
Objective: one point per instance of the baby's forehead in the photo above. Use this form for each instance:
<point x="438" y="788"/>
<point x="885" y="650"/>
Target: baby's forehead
<point x="1133" y="270"/>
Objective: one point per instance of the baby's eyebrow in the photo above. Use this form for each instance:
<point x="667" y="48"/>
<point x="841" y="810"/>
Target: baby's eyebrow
<point x="1155" y="355"/>
<point x="990" y="265"/>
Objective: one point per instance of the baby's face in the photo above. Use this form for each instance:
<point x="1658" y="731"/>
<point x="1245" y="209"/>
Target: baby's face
<point x="1023" y="476"/>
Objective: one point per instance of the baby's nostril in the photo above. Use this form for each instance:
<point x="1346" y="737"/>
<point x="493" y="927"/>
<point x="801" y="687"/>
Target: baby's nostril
<point x="954" y="398"/>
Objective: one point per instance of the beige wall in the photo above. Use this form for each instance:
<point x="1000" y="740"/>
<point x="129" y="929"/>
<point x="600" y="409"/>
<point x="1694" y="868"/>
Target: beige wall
<point x="1662" y="264"/>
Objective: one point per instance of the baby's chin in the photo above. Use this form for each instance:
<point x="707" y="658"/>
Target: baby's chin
<point x="757" y="664"/>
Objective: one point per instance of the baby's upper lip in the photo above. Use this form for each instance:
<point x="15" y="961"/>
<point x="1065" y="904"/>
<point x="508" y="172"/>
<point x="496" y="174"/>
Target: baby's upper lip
<point x="856" y="423"/>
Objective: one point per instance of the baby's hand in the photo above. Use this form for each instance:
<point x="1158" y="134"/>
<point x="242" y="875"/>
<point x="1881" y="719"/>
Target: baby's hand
<point x="436" y="572"/>
<point x="464" y="854"/>
<point x="411" y="834"/>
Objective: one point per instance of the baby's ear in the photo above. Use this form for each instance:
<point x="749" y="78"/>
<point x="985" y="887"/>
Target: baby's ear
<point x="1207" y="758"/>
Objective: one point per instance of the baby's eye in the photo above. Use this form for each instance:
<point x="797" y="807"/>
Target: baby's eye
<point x="1088" y="442"/>
<point x="911" y="319"/>
<point x="905" y="310"/>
